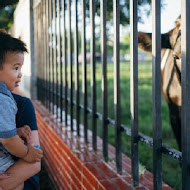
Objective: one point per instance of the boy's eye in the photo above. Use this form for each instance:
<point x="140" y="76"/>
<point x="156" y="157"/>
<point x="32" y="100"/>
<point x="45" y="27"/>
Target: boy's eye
<point x="16" y="68"/>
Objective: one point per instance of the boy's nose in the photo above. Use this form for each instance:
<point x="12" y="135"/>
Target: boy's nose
<point x="20" y="75"/>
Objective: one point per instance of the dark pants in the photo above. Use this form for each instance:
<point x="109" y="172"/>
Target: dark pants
<point x="32" y="183"/>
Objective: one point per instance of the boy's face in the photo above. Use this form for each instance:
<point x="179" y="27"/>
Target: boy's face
<point x="11" y="74"/>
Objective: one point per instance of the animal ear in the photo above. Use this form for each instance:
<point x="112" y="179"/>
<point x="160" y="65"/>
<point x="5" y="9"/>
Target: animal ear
<point x="178" y="22"/>
<point x="145" y="41"/>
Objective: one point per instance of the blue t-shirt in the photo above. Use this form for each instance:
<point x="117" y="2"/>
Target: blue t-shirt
<point x="8" y="110"/>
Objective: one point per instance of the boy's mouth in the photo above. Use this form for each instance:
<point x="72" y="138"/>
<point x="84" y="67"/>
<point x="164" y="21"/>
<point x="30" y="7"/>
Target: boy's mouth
<point x="17" y="83"/>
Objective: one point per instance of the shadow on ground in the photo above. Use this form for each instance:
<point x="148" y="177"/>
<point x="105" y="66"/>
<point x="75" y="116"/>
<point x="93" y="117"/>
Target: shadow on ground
<point x="45" y="181"/>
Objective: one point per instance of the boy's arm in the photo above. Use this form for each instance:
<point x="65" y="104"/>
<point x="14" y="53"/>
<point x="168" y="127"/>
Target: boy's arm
<point x="15" y="146"/>
<point x="21" y="170"/>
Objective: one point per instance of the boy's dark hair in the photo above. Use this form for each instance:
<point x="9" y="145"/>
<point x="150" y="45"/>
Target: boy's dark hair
<point x="9" y="44"/>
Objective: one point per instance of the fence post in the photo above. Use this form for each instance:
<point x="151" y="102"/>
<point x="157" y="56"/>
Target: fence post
<point x="185" y="50"/>
<point x="93" y="74"/>
<point x="134" y="91"/>
<point x="103" y="9"/>
<point x="84" y="69"/>
<point x="76" y="67"/>
<point x="156" y="95"/>
<point x="69" y="44"/>
<point x="116" y="13"/>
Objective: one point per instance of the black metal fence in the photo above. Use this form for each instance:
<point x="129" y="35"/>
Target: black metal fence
<point x="60" y="77"/>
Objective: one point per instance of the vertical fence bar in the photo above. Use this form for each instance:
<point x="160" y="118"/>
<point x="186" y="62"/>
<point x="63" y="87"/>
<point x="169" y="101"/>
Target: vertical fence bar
<point x="64" y="62"/>
<point x="47" y="52"/>
<point x="185" y="47"/>
<point x="61" y="61"/>
<point x="134" y="91"/>
<point x="93" y="75"/>
<point x="33" y="89"/>
<point x="103" y="8"/>
<point x="76" y="68"/>
<point x="156" y="74"/>
<point x="58" y="59"/>
<point x="39" y="58"/>
<point x="116" y="15"/>
<point x="54" y="52"/>
<point x="37" y="54"/>
<point x="36" y="41"/>
<point x="84" y="78"/>
<point x="70" y="63"/>
<point x="39" y="29"/>
<point x="42" y="54"/>
<point x="51" y="56"/>
<point x="44" y="47"/>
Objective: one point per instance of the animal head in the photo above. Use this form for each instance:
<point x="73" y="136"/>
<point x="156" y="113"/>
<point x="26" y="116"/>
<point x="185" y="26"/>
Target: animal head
<point x="171" y="61"/>
<point x="168" y="40"/>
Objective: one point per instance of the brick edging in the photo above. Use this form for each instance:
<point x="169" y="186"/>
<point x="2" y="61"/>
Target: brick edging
<point x="74" y="165"/>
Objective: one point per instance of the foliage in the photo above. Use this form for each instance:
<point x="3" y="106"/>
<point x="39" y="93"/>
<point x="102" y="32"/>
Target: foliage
<point x="124" y="9"/>
<point x="4" y="3"/>
<point x="6" y="16"/>
<point x="125" y="44"/>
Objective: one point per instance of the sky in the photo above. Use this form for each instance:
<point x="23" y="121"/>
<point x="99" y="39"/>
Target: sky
<point x="169" y="14"/>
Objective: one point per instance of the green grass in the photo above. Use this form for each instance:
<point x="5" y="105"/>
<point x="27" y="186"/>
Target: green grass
<point x="171" y="169"/>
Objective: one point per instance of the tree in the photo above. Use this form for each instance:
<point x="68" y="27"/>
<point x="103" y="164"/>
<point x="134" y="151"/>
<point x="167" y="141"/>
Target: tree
<point x="7" y="8"/>
<point x="124" y="9"/>
<point x="4" y="3"/>
<point x="6" y="13"/>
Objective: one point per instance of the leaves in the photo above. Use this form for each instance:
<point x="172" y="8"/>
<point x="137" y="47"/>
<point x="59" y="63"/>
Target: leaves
<point x="6" y="13"/>
<point x="124" y="9"/>
<point x="7" y="8"/>
<point x="4" y="3"/>
<point x="6" y="16"/>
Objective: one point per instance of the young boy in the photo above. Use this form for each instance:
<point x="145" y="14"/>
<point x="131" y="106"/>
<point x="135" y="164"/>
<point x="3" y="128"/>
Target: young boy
<point x="11" y="60"/>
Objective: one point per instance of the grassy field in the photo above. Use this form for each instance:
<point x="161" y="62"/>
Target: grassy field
<point x="171" y="169"/>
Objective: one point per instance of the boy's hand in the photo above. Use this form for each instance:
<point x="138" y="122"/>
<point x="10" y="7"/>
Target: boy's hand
<point x="24" y="133"/>
<point x="34" y="154"/>
<point x="5" y="176"/>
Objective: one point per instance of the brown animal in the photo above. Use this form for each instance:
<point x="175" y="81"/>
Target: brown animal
<point x="170" y="72"/>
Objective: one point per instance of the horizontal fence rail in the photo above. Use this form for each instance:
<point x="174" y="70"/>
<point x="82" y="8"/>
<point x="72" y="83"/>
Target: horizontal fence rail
<point x="67" y="86"/>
